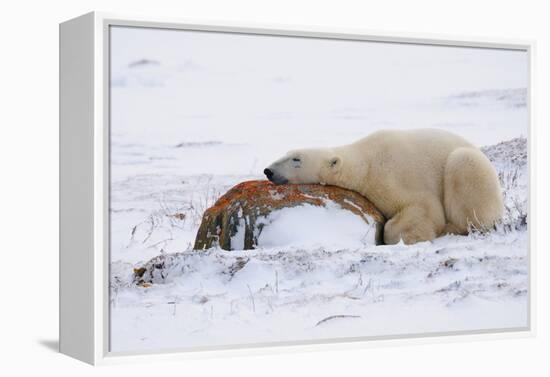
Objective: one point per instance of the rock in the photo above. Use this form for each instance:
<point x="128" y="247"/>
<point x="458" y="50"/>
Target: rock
<point x="249" y="203"/>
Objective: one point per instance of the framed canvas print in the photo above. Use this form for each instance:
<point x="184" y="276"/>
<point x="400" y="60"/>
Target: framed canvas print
<point x="228" y="187"/>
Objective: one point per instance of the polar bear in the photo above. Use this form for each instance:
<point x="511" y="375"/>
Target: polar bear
<point x="427" y="182"/>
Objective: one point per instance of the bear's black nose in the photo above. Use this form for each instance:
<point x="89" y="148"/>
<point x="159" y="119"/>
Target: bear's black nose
<point x="268" y="173"/>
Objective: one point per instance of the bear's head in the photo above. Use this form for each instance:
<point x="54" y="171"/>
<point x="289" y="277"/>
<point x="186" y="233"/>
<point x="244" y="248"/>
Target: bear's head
<point x="319" y="165"/>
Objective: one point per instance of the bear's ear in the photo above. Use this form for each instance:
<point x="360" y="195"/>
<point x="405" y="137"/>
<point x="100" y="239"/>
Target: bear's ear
<point x="335" y="162"/>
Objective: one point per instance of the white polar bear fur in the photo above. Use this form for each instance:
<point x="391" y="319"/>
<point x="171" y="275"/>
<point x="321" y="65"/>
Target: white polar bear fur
<point x="427" y="182"/>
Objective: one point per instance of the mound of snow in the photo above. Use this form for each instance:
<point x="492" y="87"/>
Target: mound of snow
<point x="510" y="161"/>
<point x="311" y="226"/>
<point x="511" y="153"/>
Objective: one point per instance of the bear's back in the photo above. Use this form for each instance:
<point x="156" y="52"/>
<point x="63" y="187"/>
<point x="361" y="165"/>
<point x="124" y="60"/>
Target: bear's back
<point x="408" y="161"/>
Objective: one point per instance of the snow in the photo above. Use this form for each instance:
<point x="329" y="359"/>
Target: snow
<point x="237" y="241"/>
<point x="195" y="113"/>
<point x="310" y="226"/>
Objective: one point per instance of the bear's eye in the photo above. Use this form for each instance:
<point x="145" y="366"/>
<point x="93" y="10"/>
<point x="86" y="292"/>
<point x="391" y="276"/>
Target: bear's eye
<point x="296" y="159"/>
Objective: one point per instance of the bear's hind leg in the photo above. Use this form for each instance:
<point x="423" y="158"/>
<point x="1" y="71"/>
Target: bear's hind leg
<point x="472" y="193"/>
<point x="415" y="223"/>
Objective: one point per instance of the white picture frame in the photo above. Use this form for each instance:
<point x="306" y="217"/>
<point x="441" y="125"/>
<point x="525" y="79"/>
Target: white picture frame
<point x="84" y="190"/>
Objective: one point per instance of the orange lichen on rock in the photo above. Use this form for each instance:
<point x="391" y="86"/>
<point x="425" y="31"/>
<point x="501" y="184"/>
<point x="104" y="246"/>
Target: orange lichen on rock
<point x="249" y="201"/>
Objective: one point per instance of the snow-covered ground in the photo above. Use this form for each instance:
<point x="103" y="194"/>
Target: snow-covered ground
<point x="195" y="113"/>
